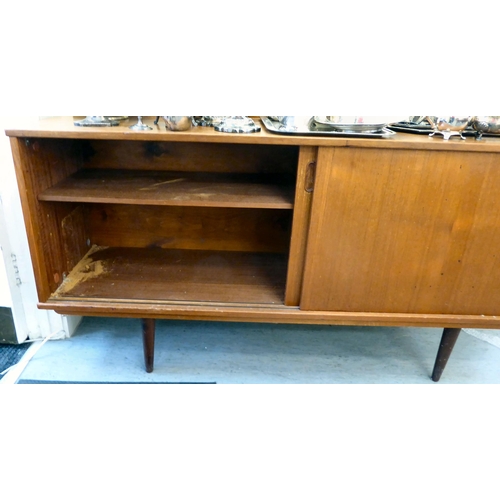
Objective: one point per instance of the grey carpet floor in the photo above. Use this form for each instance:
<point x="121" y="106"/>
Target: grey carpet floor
<point x="10" y="355"/>
<point x="106" y="350"/>
<point x="10" y="352"/>
<point x="7" y="328"/>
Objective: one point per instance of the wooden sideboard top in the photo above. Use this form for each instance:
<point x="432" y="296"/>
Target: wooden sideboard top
<point x="64" y="128"/>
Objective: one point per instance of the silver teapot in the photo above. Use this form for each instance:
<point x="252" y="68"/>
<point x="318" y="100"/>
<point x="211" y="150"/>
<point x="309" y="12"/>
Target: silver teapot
<point x="486" y="125"/>
<point x="178" y="123"/>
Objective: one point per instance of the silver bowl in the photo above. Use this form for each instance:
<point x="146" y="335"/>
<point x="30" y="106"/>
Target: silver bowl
<point x="449" y="126"/>
<point x="351" y="123"/>
<point x="486" y="124"/>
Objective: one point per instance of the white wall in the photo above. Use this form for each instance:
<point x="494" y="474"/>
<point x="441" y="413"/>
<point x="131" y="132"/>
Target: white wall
<point x="5" y="299"/>
<point x="6" y="171"/>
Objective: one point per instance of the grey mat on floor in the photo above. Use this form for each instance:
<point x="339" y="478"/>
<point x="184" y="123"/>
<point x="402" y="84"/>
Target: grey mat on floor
<point x="10" y="352"/>
<point x="58" y="382"/>
<point x="11" y="355"/>
<point x="7" y="328"/>
<point x="106" y="350"/>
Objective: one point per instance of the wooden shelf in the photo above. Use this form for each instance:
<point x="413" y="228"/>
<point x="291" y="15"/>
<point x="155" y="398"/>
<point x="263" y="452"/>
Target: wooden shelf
<point x="196" y="189"/>
<point x="176" y="275"/>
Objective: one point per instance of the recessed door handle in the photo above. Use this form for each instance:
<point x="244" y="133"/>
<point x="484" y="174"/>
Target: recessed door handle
<point x="310" y="177"/>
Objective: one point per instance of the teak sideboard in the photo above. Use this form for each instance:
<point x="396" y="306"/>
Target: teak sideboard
<point x="203" y="225"/>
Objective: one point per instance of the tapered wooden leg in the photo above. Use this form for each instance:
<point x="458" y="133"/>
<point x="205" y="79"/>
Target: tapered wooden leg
<point x="148" y="338"/>
<point x="450" y="336"/>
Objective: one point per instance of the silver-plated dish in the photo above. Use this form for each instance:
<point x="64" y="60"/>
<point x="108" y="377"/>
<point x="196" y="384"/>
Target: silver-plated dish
<point x="97" y="121"/>
<point x="309" y="127"/>
<point x="140" y="126"/>
<point x="425" y="129"/>
<point x="486" y="125"/>
<point x="207" y="121"/>
<point x="237" y="125"/>
<point x="349" y="124"/>
<point x="178" y="123"/>
<point x="449" y="126"/>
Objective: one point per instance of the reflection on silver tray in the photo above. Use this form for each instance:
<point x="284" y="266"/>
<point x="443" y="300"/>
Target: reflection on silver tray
<point x="422" y="128"/>
<point x="350" y="127"/>
<point x="311" y="127"/>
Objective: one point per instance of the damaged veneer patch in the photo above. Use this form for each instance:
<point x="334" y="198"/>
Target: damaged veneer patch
<point x="87" y="269"/>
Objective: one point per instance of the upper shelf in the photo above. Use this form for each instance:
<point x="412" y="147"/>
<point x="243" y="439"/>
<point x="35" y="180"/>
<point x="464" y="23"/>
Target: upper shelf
<point x="195" y="189"/>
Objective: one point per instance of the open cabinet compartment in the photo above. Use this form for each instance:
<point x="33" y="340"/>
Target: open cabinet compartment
<point x="151" y="221"/>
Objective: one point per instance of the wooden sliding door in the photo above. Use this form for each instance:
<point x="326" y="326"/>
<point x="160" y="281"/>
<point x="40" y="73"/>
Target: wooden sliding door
<point x="404" y="231"/>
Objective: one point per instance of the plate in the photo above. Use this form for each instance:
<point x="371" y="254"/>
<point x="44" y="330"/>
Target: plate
<point x="349" y="126"/>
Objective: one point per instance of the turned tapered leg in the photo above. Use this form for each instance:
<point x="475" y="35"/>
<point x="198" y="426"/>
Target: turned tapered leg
<point x="450" y="336"/>
<point x="148" y="338"/>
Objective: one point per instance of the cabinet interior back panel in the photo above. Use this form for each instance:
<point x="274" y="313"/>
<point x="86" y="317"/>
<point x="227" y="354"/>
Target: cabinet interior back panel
<point x="190" y="228"/>
<point x="194" y="157"/>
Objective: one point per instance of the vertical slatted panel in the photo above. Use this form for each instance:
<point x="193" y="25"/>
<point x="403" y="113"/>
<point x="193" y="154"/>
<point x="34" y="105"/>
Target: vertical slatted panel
<point x="40" y="163"/>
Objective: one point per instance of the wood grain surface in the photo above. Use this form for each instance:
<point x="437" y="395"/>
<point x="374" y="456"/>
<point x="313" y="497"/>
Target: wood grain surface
<point x="63" y="127"/>
<point x="191" y="228"/>
<point x="186" y="275"/>
<point x="199" y="189"/>
<point x="404" y="232"/>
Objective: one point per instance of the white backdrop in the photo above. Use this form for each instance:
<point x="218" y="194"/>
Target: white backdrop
<point x="6" y="179"/>
<point x="5" y="299"/>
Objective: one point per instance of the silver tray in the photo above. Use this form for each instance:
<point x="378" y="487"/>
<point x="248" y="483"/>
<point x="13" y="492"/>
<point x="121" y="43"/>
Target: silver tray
<point x="311" y="127"/>
<point x="426" y="129"/>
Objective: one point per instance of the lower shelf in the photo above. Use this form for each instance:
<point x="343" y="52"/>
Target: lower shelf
<point x="184" y="275"/>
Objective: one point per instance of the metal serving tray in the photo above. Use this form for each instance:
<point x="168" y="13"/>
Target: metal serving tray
<point x="313" y="128"/>
<point x="426" y="129"/>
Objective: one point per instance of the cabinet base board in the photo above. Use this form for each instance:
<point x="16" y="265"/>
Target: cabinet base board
<point x="254" y="313"/>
